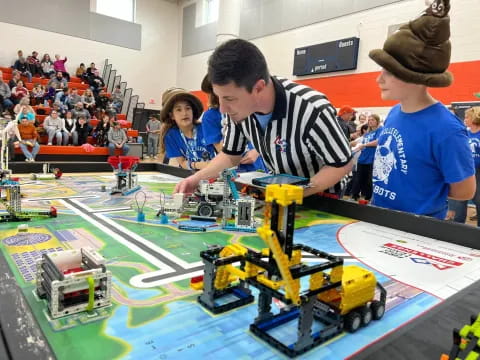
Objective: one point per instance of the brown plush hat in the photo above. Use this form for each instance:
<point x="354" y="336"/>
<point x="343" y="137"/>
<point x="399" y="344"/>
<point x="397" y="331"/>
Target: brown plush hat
<point x="172" y="95"/>
<point x="419" y="52"/>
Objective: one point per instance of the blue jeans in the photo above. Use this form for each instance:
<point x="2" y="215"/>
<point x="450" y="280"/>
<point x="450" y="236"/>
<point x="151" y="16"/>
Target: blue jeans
<point x="152" y="145"/>
<point x="460" y="206"/>
<point x="27" y="153"/>
<point x="112" y="147"/>
<point x="7" y="103"/>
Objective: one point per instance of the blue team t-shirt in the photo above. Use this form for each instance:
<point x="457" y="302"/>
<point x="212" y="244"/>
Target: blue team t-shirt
<point x="474" y="140"/>
<point x="368" y="153"/>
<point x="418" y="155"/>
<point x="195" y="149"/>
<point x="212" y="128"/>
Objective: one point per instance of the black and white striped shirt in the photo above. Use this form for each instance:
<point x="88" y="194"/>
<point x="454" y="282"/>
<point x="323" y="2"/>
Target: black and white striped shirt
<point x="302" y="136"/>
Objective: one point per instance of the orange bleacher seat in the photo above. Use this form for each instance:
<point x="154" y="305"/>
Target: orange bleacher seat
<point x="6" y="70"/>
<point x="79" y="86"/>
<point x="7" y="76"/>
<point x="44" y="81"/>
<point x="29" y="86"/>
<point x="75" y="79"/>
<point x="40" y="118"/>
<point x="70" y="150"/>
<point x="132" y="133"/>
<point x="94" y="122"/>
<point x="121" y="117"/>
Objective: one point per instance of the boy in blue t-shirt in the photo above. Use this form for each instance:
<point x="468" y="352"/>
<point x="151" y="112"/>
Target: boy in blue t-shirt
<point x="458" y="209"/>
<point x="182" y="136"/>
<point x="212" y="128"/>
<point x="423" y="155"/>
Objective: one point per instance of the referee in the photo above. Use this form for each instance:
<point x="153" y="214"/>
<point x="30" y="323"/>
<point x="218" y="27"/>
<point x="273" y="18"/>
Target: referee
<point x="292" y="126"/>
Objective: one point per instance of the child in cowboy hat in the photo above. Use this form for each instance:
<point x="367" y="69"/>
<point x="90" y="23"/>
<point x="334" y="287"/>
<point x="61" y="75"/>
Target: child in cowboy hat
<point x="182" y="137"/>
<point x="422" y="155"/>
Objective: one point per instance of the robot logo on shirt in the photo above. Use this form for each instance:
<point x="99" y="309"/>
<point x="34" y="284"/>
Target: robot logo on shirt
<point x="475" y="146"/>
<point x="385" y="161"/>
<point x="281" y="144"/>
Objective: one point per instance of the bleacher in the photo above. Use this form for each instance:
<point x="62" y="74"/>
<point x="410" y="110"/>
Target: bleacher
<point x="66" y="153"/>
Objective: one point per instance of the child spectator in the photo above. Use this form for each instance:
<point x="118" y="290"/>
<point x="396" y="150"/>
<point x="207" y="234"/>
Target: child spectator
<point x="38" y="94"/>
<point x="47" y="66"/>
<point x="423" y="155"/>
<point x="59" y="65"/>
<point x="19" y="91"/>
<point x="69" y="128"/>
<point x="21" y="66"/>
<point x="29" y="136"/>
<point x="101" y="131"/>
<point x="182" y="136"/>
<point x="153" y="130"/>
<point x="459" y="207"/>
<point x="82" y="130"/>
<point x="13" y="81"/>
<point x="54" y="125"/>
<point x="117" y="139"/>
<point x="363" y="179"/>
<point x="81" y="70"/>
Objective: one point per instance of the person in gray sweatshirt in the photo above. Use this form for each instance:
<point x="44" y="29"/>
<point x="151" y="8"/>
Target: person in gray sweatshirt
<point x="117" y="139"/>
<point x="53" y="125"/>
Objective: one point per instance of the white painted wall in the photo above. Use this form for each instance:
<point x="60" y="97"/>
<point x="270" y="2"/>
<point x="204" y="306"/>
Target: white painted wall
<point x="371" y="26"/>
<point x="160" y="43"/>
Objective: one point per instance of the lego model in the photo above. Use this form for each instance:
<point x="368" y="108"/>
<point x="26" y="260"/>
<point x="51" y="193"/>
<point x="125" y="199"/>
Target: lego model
<point x="339" y="297"/>
<point x="124" y="167"/>
<point x="73" y="281"/>
<point x="10" y="197"/>
<point x="48" y="174"/>
<point x="466" y="342"/>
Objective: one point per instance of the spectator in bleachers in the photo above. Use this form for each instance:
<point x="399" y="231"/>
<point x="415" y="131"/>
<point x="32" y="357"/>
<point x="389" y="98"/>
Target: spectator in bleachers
<point x="58" y="83"/>
<point x="60" y="108"/>
<point x="88" y="101"/>
<point x="117" y="139"/>
<point x="5" y="93"/>
<point x="153" y="130"/>
<point x="90" y="70"/>
<point x="29" y="136"/>
<point x="101" y="131"/>
<point x="117" y="99"/>
<point x="345" y="118"/>
<point x="19" y="92"/>
<point x="38" y="94"/>
<point x="33" y="64"/>
<point x="19" y="55"/>
<point x="59" y="65"/>
<point x="25" y="103"/>
<point x="13" y="81"/>
<point x="103" y="100"/>
<point x="53" y="125"/>
<point x="11" y="133"/>
<point x="82" y="130"/>
<point x="21" y="66"/>
<point x="73" y="98"/>
<point x="47" y="66"/>
<point x="78" y="111"/>
<point x="96" y="82"/>
<point x="69" y="128"/>
<point x="81" y="71"/>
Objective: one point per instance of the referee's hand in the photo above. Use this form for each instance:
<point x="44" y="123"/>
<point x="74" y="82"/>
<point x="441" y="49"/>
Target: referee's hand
<point x="187" y="186"/>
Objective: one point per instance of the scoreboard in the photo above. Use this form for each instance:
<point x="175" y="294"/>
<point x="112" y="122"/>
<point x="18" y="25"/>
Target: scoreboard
<point x="332" y="56"/>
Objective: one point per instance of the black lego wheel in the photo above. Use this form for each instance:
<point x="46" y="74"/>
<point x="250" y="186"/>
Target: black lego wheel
<point x="205" y="209"/>
<point x="353" y="321"/>
<point x="378" y="309"/>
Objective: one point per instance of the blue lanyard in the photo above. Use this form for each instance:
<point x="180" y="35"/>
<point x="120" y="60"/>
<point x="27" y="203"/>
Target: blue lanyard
<point x="191" y="145"/>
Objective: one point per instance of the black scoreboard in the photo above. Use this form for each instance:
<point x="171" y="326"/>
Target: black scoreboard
<point x="336" y="55"/>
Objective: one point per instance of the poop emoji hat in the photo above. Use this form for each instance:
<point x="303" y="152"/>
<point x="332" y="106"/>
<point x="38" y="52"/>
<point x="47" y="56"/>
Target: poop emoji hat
<point x="419" y="52"/>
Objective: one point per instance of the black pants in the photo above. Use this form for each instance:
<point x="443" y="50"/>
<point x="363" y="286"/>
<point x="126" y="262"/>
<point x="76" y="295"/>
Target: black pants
<point x="363" y="182"/>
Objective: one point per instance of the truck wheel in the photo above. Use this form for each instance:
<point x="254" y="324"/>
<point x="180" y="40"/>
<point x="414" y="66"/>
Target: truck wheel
<point x="205" y="210"/>
<point x="366" y="314"/>
<point x="378" y="309"/>
<point x="352" y="321"/>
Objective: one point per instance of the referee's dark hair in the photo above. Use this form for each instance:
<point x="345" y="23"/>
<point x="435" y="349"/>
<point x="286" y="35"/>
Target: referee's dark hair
<point x="239" y="61"/>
